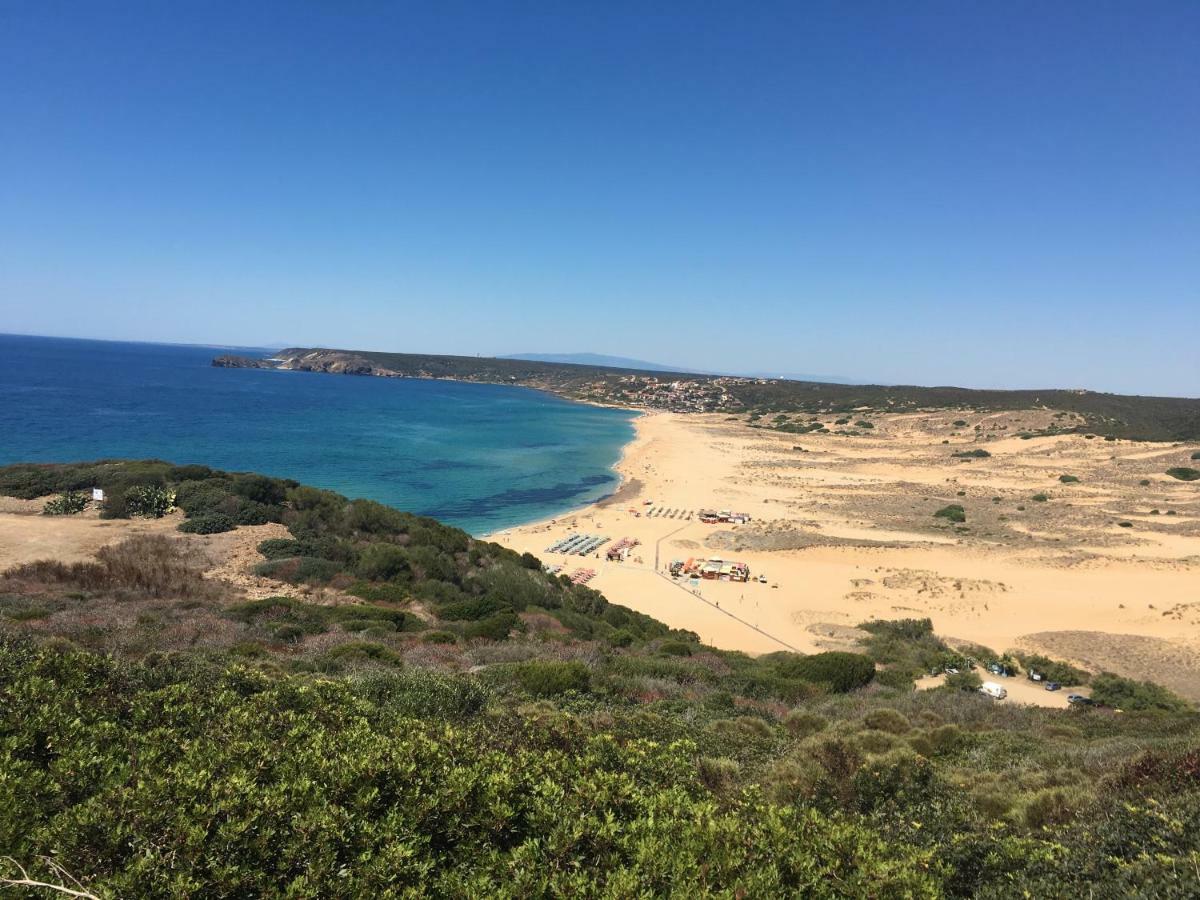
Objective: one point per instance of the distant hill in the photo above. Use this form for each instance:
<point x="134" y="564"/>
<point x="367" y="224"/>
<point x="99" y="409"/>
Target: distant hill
<point x="600" y="360"/>
<point x="641" y="365"/>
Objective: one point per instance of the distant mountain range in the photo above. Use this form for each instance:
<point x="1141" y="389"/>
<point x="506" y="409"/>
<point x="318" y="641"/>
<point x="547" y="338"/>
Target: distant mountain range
<point x="623" y="362"/>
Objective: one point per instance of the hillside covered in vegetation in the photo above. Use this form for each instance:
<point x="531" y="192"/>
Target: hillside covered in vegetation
<point x="1108" y="415"/>
<point x="415" y="712"/>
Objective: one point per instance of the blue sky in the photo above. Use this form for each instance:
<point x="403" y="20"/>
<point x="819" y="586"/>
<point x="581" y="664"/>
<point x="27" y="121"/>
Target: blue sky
<point x="988" y="194"/>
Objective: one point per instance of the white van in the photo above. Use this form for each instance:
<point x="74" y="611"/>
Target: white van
<point x="993" y="690"/>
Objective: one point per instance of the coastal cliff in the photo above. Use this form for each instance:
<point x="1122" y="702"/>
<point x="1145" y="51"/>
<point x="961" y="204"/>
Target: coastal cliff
<point x="334" y="362"/>
<point x="233" y="361"/>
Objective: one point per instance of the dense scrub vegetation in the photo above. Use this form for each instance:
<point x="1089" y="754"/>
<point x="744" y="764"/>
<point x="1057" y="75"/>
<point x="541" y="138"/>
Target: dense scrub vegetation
<point x="181" y="776"/>
<point x="420" y="713"/>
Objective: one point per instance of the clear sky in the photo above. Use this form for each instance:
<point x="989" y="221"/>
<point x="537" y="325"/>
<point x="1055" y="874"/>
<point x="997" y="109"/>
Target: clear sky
<point x="988" y="194"/>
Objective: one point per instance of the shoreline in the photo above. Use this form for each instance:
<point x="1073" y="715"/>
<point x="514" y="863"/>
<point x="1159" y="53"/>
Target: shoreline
<point x="843" y="528"/>
<point x="600" y="502"/>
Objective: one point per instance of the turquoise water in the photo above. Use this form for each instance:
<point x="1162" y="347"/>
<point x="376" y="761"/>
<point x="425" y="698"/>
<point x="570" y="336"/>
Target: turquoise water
<point x="481" y="457"/>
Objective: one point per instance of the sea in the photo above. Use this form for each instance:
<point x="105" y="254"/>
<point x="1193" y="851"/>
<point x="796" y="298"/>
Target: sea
<point x="479" y="456"/>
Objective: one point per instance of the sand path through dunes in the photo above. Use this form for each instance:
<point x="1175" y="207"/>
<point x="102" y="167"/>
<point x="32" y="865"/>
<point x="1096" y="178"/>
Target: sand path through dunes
<point x="854" y="518"/>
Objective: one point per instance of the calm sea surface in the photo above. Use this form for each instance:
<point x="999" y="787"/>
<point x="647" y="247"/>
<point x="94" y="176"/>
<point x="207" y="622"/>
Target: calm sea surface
<point x="481" y="457"/>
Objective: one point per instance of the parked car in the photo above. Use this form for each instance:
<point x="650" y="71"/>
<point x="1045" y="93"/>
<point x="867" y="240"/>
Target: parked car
<point x="1053" y="686"/>
<point x="1035" y="676"/>
<point x="1080" y="700"/>
<point x="993" y="690"/>
<point x="950" y="670"/>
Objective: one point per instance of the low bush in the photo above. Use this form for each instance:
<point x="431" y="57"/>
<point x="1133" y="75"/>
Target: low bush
<point x="802" y="723"/>
<point x="68" y="503"/>
<point x="148" y="501"/>
<point x="280" y="548"/>
<point x="300" y="569"/>
<point x="952" y="513"/>
<point x="1052" y="670"/>
<point x="1128" y="694"/>
<point x="977" y="453"/>
<point x="549" y="678"/>
<point x="1183" y="473"/>
<point x="675" y="648"/>
<point x="1068" y="479"/>
<point x="838" y="671"/>
<point x="208" y="523"/>
<point x="890" y="720"/>
<point x="963" y="681"/>
<point x="356" y="654"/>
<point x="493" y="628"/>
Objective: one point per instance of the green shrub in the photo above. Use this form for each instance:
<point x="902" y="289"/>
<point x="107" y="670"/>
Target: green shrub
<point x="894" y="677"/>
<point x="549" y="678"/>
<point x="1052" y="670"/>
<point x="890" y="720"/>
<point x="280" y="548"/>
<point x="1196" y="455"/>
<point x="1130" y="695"/>
<point x="439" y="637"/>
<point x="275" y="611"/>
<point x="963" y="681"/>
<point x="1068" y="479"/>
<point x="1183" y="473"/>
<point x="838" y="671"/>
<point x="189" y="473"/>
<point x="423" y="693"/>
<point x="952" y="513"/>
<point x="1040" y="498"/>
<point x="249" y="512"/>
<point x="385" y="592"/>
<point x="472" y="609"/>
<point x="382" y="562"/>
<point x="68" y="503"/>
<point x="288" y="633"/>
<point x="675" y="648"/>
<point x="300" y="569"/>
<point x="260" y="489"/>
<point x="356" y="653"/>
<point x="493" y="628"/>
<point x="802" y="723"/>
<point x="208" y="523"/>
<point x="148" y="501"/>
<point x="28" y="482"/>
<point x="718" y="774"/>
<point x="743" y="727"/>
<point x="1052" y="806"/>
<point x="199" y="497"/>
<point x="977" y="453"/>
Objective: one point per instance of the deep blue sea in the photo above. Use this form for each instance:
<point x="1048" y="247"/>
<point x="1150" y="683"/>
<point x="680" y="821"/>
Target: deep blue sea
<point x="481" y="457"/>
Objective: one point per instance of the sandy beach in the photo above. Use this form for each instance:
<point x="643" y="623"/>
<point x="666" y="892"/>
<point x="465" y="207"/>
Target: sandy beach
<point x="1105" y="571"/>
